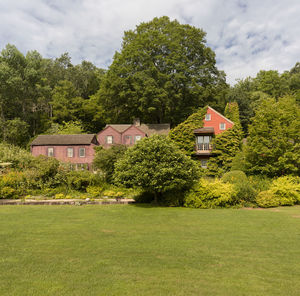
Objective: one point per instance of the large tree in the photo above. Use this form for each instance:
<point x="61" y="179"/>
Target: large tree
<point x="163" y="73"/>
<point x="273" y="145"/>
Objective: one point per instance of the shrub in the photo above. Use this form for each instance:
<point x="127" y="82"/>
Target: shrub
<point x="266" y="199"/>
<point x="287" y="189"/>
<point x="105" y="160"/>
<point x="156" y="165"/>
<point x="210" y="194"/>
<point x="79" y="180"/>
<point x="94" y="191"/>
<point x="13" y="185"/>
<point x="245" y="193"/>
<point x="284" y="191"/>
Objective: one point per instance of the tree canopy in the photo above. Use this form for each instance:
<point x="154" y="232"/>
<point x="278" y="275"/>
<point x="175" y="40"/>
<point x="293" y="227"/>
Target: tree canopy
<point x="155" y="165"/>
<point x="163" y="73"/>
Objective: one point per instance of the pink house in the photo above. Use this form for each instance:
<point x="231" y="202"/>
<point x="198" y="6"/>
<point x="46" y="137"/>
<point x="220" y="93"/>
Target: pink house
<point x="78" y="150"/>
<point x="214" y="124"/>
<point x="129" y="134"/>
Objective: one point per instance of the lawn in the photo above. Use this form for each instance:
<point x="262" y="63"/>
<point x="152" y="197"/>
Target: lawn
<point x="136" y="250"/>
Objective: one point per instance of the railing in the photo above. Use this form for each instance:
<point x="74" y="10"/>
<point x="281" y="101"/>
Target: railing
<point x="205" y="147"/>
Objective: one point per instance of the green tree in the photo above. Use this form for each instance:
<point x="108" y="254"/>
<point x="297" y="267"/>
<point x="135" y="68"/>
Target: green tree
<point x="274" y="138"/>
<point x="157" y="166"/>
<point x="105" y="160"/>
<point x="66" y="128"/>
<point x="183" y="134"/>
<point x="163" y="73"/>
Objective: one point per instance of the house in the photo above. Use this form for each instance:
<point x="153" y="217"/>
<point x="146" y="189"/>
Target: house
<point x="129" y="134"/>
<point x="214" y="124"/>
<point x="77" y="150"/>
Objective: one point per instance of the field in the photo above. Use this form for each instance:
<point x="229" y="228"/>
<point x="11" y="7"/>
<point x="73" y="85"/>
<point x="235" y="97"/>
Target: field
<point x="141" y="250"/>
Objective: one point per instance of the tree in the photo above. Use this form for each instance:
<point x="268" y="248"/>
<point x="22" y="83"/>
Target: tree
<point x="183" y="134"/>
<point x="163" y="73"/>
<point x="105" y="160"/>
<point x="66" y="128"/>
<point x="274" y="138"/>
<point x="157" y="166"/>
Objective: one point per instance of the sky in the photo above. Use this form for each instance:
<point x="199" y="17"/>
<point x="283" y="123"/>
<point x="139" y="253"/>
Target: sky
<point x="247" y="36"/>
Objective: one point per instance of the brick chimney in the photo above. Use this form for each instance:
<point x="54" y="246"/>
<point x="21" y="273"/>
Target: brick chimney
<point x="136" y="122"/>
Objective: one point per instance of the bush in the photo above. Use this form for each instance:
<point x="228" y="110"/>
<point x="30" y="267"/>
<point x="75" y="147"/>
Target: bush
<point x="284" y="191"/>
<point x="105" y="160"/>
<point x="13" y="185"/>
<point x="79" y="180"/>
<point x="245" y="193"/>
<point x="94" y="191"/>
<point x="156" y="165"/>
<point x="210" y="194"/>
<point x="266" y="199"/>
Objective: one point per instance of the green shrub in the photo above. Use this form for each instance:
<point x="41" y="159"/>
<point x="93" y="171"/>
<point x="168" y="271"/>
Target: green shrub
<point x="260" y="183"/>
<point x="234" y="177"/>
<point x="13" y="185"/>
<point x="245" y="193"/>
<point x="210" y="194"/>
<point x="284" y="191"/>
<point x="287" y="189"/>
<point x="266" y="199"/>
<point x="79" y="180"/>
<point x="94" y="191"/>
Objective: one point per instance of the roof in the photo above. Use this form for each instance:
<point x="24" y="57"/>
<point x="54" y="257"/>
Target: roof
<point x="119" y="127"/>
<point x="148" y="129"/>
<point x="158" y="129"/>
<point x="204" y="130"/>
<point x="81" y="139"/>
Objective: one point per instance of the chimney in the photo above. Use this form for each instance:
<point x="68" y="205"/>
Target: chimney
<point x="136" y="122"/>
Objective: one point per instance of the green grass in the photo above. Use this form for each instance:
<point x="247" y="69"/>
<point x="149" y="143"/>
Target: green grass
<point x="134" y="250"/>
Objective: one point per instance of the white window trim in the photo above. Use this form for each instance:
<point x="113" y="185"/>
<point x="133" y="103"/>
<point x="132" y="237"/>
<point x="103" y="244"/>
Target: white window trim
<point x="49" y="153"/>
<point x="112" y="139"/>
<point x="69" y="149"/>
<point x="208" y="117"/>
<point x="222" y="123"/>
<point x="135" y="138"/>
<point x="80" y="150"/>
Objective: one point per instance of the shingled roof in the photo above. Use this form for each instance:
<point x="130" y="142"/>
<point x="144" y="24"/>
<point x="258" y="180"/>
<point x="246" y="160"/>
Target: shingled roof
<point x="148" y="129"/>
<point x="204" y="130"/>
<point x="81" y="139"/>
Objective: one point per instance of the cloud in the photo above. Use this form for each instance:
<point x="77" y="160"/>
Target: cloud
<point x="247" y="36"/>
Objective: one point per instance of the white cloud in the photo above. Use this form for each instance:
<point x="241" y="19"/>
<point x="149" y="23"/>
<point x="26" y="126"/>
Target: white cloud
<point x="247" y="36"/>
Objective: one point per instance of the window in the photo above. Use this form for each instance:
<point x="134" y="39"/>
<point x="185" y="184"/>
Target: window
<point x="222" y="126"/>
<point x="81" y="152"/>
<point x="128" y="140"/>
<point x="50" y="151"/>
<point x="109" y="139"/>
<point x="204" y="163"/>
<point x="70" y="152"/>
<point x="137" y="138"/>
<point x="207" y="117"/>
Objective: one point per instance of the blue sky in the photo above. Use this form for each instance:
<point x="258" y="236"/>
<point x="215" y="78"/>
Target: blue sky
<point x="247" y="36"/>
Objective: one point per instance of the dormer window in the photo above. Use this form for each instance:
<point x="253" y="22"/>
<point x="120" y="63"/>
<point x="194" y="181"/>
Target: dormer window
<point x="207" y="117"/>
<point x="109" y="139"/>
<point x="222" y="126"/>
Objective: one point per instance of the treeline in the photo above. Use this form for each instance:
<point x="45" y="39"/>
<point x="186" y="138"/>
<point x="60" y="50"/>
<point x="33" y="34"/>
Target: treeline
<point x="163" y="74"/>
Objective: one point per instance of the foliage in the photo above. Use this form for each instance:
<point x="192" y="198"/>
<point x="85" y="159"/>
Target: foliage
<point x="245" y="192"/>
<point x="210" y="194"/>
<point x="284" y="191"/>
<point x="13" y="185"/>
<point x="156" y="165"/>
<point x="105" y="159"/>
<point x="232" y="112"/>
<point x="226" y="146"/>
<point x="183" y="134"/>
<point x="19" y="157"/>
<point x="80" y="180"/>
<point x="163" y="73"/>
<point x="66" y="128"/>
<point x="274" y="138"/>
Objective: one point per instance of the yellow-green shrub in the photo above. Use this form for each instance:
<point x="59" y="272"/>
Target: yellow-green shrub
<point x="94" y="191"/>
<point x="210" y="194"/>
<point x="266" y="199"/>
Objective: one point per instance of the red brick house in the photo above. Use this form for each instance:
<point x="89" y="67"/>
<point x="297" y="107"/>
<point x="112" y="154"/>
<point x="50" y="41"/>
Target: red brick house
<point x="77" y="150"/>
<point x="214" y="124"/>
<point x="129" y="134"/>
